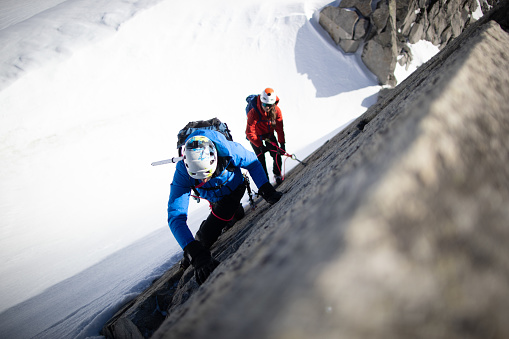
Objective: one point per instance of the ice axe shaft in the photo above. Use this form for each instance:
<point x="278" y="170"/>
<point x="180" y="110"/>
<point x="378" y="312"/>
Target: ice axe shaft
<point x="167" y="161"/>
<point x="295" y="158"/>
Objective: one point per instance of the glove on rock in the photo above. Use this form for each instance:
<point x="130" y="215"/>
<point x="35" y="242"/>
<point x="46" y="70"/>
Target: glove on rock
<point x="268" y="193"/>
<point x="201" y="259"/>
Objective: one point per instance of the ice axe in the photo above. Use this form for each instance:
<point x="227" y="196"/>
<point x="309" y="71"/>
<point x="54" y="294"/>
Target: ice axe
<point x="293" y="157"/>
<point x="167" y="161"/>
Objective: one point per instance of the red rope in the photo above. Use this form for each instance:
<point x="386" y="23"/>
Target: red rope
<point x="212" y="211"/>
<point x="285" y="154"/>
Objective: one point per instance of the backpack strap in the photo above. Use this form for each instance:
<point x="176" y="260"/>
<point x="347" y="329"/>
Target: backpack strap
<point x="255" y="106"/>
<point x="195" y="191"/>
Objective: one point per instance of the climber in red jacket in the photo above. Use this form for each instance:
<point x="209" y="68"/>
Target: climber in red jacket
<point x="262" y="120"/>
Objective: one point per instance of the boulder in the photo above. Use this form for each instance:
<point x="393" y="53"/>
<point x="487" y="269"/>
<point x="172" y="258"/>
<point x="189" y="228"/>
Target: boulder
<point x="363" y="7"/>
<point x="339" y="22"/>
<point x="380" y="16"/>
<point x="349" y="46"/>
<point x="378" y="59"/>
<point x="361" y="29"/>
<point x="380" y="53"/>
<point x="416" y="33"/>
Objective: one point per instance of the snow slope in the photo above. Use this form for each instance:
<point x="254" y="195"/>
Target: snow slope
<point x="92" y="92"/>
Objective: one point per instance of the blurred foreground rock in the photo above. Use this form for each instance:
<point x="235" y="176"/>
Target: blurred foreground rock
<point x="397" y="227"/>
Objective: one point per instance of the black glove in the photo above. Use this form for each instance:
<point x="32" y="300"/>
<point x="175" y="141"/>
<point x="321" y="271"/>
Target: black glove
<point x="267" y="146"/>
<point x="281" y="150"/>
<point x="201" y="260"/>
<point x="268" y="193"/>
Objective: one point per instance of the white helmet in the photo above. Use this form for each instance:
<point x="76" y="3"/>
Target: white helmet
<point x="200" y="157"/>
<point x="268" y="96"/>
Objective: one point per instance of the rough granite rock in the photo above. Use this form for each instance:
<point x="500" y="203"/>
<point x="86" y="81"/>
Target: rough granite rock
<point x="340" y="22"/>
<point x="363" y="6"/>
<point x="380" y="16"/>
<point x="408" y="21"/>
<point x="349" y="46"/>
<point x="380" y="53"/>
<point x="396" y="228"/>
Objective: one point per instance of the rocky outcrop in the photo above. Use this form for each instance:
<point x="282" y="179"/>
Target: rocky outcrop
<point x="396" y="228"/>
<point x="385" y="32"/>
<point x="487" y="5"/>
<point x="381" y="50"/>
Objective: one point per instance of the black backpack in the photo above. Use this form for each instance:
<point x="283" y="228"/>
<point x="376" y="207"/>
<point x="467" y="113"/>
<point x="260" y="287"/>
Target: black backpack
<point x="212" y="124"/>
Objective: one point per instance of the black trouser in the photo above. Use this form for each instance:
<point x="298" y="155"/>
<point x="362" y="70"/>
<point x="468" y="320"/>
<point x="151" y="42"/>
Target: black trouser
<point x="225" y="209"/>
<point x="273" y="151"/>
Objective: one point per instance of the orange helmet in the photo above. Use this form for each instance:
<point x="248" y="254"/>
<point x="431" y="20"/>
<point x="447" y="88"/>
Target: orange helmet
<point x="268" y="96"/>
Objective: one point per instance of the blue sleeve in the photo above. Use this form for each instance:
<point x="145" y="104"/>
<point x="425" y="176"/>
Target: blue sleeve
<point x="178" y="205"/>
<point x="248" y="160"/>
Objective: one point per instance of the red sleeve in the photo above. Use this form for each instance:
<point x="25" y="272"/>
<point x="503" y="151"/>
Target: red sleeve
<point x="279" y="126"/>
<point x="251" y="129"/>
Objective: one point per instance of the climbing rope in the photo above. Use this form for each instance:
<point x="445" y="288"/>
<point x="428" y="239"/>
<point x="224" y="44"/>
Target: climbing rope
<point x="287" y="155"/>
<point x="212" y="211"/>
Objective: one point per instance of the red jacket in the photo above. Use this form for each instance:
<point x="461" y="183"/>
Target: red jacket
<point x="257" y="128"/>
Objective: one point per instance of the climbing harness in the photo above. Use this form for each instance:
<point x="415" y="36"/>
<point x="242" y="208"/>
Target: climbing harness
<point x="197" y="197"/>
<point x="211" y="210"/>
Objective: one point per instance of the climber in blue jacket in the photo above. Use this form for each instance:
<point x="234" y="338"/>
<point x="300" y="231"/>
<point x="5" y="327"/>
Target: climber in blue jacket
<point x="211" y="166"/>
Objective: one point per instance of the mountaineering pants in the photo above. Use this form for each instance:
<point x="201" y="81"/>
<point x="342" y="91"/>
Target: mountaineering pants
<point x="273" y="151"/>
<point x="222" y="211"/>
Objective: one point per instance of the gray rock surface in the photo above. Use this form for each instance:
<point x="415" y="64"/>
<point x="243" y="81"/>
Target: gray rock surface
<point x="362" y="6"/>
<point x="396" y="228"/>
<point x="404" y="21"/>
<point x="339" y="22"/>
<point x="381" y="51"/>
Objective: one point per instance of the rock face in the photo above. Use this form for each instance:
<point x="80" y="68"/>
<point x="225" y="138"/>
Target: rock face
<point x="396" y="228"/>
<point x="387" y="29"/>
<point x="380" y="51"/>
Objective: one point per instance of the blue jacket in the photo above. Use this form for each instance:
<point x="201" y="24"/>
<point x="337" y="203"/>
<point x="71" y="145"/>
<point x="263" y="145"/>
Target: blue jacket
<point x="237" y="156"/>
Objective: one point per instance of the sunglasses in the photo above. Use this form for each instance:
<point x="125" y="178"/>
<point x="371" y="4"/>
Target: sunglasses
<point x="267" y="105"/>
